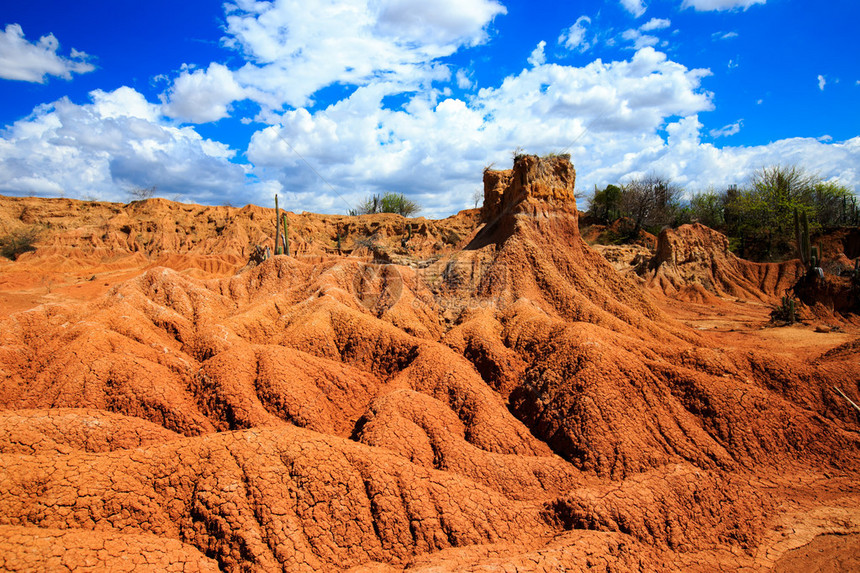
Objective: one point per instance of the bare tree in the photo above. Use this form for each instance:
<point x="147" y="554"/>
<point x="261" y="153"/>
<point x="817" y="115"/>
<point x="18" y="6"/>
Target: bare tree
<point x="478" y="196"/>
<point x="142" y="193"/>
<point x="651" y="201"/>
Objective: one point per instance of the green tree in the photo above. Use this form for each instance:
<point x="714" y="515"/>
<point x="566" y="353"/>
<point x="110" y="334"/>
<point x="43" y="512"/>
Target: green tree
<point x="605" y="204"/>
<point x="388" y="203"/>
<point x="834" y="204"/>
<point x="762" y="214"/>
<point x="782" y="189"/>
<point x="708" y="209"/>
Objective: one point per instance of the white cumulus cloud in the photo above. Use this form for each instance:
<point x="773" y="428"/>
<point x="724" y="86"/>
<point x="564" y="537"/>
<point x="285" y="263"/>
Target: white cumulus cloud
<point x="655" y="24"/>
<point x="604" y="112"/>
<point x="727" y="130"/>
<point x="104" y="148"/>
<point x="294" y="51"/>
<point x="643" y="40"/>
<point x="538" y="55"/>
<point x="696" y="166"/>
<point x="635" y="7"/>
<point x="25" y="61"/>
<point x="618" y="120"/>
<point x="720" y="5"/>
<point x="202" y="96"/>
<point x="639" y="39"/>
<point x="444" y="23"/>
<point x="574" y="38"/>
<point x="821" y="82"/>
<point x="464" y="82"/>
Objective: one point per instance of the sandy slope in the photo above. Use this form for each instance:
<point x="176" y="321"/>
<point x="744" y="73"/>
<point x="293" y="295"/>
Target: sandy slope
<point x="488" y="393"/>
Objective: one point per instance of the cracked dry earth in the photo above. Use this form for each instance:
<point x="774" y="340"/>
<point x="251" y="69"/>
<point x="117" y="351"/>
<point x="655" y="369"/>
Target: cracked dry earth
<point x="511" y="403"/>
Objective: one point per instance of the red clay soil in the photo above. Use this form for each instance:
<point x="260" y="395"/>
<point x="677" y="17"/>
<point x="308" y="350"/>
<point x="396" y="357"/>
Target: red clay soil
<point x="694" y="255"/>
<point x="482" y="393"/>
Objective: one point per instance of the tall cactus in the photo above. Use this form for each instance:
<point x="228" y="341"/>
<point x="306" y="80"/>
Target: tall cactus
<point x="787" y="312"/>
<point x="286" y="235"/>
<point x="277" y="227"/>
<point x="855" y="284"/>
<point x="809" y="255"/>
<point x="801" y="232"/>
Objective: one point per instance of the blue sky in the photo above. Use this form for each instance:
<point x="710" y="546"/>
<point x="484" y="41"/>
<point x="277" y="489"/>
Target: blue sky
<point x="326" y="102"/>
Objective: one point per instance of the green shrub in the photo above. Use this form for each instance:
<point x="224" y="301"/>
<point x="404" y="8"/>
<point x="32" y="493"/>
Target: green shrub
<point x="388" y="203"/>
<point x="18" y="242"/>
<point x="787" y="312"/>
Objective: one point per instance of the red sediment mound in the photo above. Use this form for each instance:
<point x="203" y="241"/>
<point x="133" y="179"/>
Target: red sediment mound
<point x="673" y="498"/>
<point x="63" y="430"/>
<point x="504" y="397"/>
<point x="73" y="234"/>
<point x="540" y="255"/>
<point x="82" y="248"/>
<point x="829" y="293"/>
<point x="619" y="231"/>
<point x="841" y="245"/>
<point x="696" y="293"/>
<point x="47" y="549"/>
<point x="265" y="499"/>
<point x="697" y="256"/>
<point x="846" y="351"/>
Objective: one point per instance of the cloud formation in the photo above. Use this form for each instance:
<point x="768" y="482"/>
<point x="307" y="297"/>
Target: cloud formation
<point x="639" y="36"/>
<point x="727" y="130"/>
<point x="720" y="5"/>
<point x="574" y="38"/>
<point x="293" y="52"/>
<point x="604" y="111"/>
<point x="655" y="24"/>
<point x="201" y="96"/>
<point x="28" y="62"/>
<point x="635" y="7"/>
<point x="724" y="35"/>
<point x="109" y="146"/>
<point x="639" y="39"/>
<point x="618" y="120"/>
<point x="538" y="56"/>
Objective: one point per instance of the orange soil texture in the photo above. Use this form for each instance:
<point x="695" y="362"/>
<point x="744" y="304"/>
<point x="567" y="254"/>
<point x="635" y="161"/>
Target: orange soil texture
<point x="481" y="393"/>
